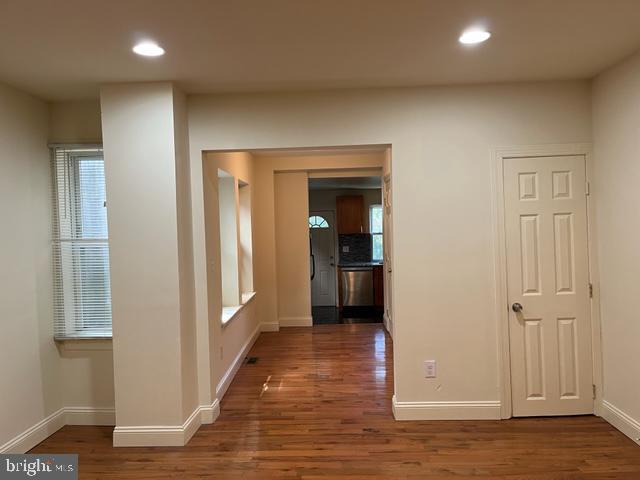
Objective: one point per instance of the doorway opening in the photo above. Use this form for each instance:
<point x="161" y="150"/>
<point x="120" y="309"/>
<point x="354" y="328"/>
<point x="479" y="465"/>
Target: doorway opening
<point x="346" y="249"/>
<point x="284" y="228"/>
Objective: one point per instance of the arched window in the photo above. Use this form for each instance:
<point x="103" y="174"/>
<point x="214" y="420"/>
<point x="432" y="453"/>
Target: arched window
<point x="316" y="221"/>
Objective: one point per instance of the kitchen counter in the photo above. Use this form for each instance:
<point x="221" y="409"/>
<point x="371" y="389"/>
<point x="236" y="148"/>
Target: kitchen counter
<point x="360" y="264"/>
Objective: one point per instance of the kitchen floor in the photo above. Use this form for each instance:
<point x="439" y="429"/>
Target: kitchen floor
<point x="349" y="315"/>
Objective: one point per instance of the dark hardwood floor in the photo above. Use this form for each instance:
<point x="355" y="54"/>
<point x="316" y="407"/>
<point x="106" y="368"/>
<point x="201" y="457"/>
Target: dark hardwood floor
<point x="348" y="315"/>
<point x="317" y="404"/>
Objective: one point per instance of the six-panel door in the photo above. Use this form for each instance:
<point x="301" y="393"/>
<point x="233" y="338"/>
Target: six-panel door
<point x="547" y="273"/>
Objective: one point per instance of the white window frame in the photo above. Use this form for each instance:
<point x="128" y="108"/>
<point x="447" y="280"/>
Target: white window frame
<point x="375" y="234"/>
<point x="71" y="320"/>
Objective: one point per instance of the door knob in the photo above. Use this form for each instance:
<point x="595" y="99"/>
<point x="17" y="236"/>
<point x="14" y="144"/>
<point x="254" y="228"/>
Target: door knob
<point x="516" y="307"/>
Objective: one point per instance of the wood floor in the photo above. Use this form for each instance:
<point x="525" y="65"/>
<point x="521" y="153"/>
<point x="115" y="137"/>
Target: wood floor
<point x="317" y="404"/>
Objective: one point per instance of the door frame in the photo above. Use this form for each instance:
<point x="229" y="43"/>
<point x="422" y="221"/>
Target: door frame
<point x="500" y="264"/>
<point x="387" y="242"/>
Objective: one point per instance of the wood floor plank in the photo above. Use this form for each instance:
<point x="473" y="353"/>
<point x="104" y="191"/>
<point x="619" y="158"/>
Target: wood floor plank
<point x="317" y="405"/>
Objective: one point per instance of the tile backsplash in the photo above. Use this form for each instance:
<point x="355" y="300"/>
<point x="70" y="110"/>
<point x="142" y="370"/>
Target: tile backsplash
<point x="359" y="247"/>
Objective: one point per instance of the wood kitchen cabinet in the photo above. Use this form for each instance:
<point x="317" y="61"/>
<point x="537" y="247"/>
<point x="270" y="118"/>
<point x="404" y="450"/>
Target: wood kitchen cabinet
<point x="378" y="286"/>
<point x="350" y="214"/>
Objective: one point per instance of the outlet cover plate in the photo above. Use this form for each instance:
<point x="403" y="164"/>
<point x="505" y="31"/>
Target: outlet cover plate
<point x="430" y="369"/>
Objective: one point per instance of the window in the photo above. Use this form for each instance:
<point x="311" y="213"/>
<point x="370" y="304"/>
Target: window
<point x="246" y="243"/>
<point x="375" y="226"/>
<point x="82" y="293"/>
<point x="228" y="239"/>
<point x="236" y="257"/>
<point x="316" y="221"/>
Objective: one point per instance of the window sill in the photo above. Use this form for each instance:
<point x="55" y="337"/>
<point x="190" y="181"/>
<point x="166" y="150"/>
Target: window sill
<point x="247" y="297"/>
<point x="229" y="313"/>
<point x="85" y="343"/>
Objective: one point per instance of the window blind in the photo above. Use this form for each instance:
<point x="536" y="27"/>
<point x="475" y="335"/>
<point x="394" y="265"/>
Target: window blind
<point x="82" y="293"/>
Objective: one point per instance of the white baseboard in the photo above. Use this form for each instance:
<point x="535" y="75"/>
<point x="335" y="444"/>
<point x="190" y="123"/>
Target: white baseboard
<point x="270" y="327"/>
<point x="127" y="436"/>
<point x="295" y="321"/>
<point x="48" y="426"/>
<point x="209" y="413"/>
<point x="226" y="379"/>
<point x="157" y="435"/>
<point x="623" y="422"/>
<point x="149" y="436"/>
<point x="167" y="435"/>
<point x="135" y="435"/>
<point x="473" y="410"/>
<point x="32" y="436"/>
<point x="191" y="425"/>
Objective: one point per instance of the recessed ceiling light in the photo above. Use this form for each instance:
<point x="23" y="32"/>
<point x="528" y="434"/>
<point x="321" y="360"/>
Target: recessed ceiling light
<point x="471" y="37"/>
<point x="148" y="49"/>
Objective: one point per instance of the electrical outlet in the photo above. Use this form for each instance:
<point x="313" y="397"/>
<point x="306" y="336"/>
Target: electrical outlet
<point x="430" y="369"/>
<point x="345" y="249"/>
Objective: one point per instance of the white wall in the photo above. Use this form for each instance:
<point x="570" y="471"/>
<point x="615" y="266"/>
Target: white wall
<point x="616" y="120"/>
<point x="75" y="122"/>
<point x="145" y="145"/>
<point x="188" y="346"/>
<point x="291" y="191"/>
<point x="442" y="141"/>
<point x="45" y="376"/>
<point x="227" y="343"/>
<point x="29" y="365"/>
<point x="86" y="367"/>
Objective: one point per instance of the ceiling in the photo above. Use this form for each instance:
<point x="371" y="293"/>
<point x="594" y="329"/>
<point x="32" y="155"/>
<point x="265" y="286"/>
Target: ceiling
<point x="340" y="183"/>
<point x="63" y="49"/>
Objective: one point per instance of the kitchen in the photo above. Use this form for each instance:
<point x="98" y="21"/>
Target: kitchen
<point x="346" y="250"/>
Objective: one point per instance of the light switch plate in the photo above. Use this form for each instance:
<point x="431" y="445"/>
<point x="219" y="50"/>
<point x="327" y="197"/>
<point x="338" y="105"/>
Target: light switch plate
<point x="430" y="369"/>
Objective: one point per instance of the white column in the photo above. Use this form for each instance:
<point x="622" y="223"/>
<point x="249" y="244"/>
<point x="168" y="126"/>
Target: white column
<point x="151" y="258"/>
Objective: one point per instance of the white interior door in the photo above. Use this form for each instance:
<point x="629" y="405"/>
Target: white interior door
<point x="323" y="285"/>
<point x="547" y="272"/>
<point x="387" y="247"/>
